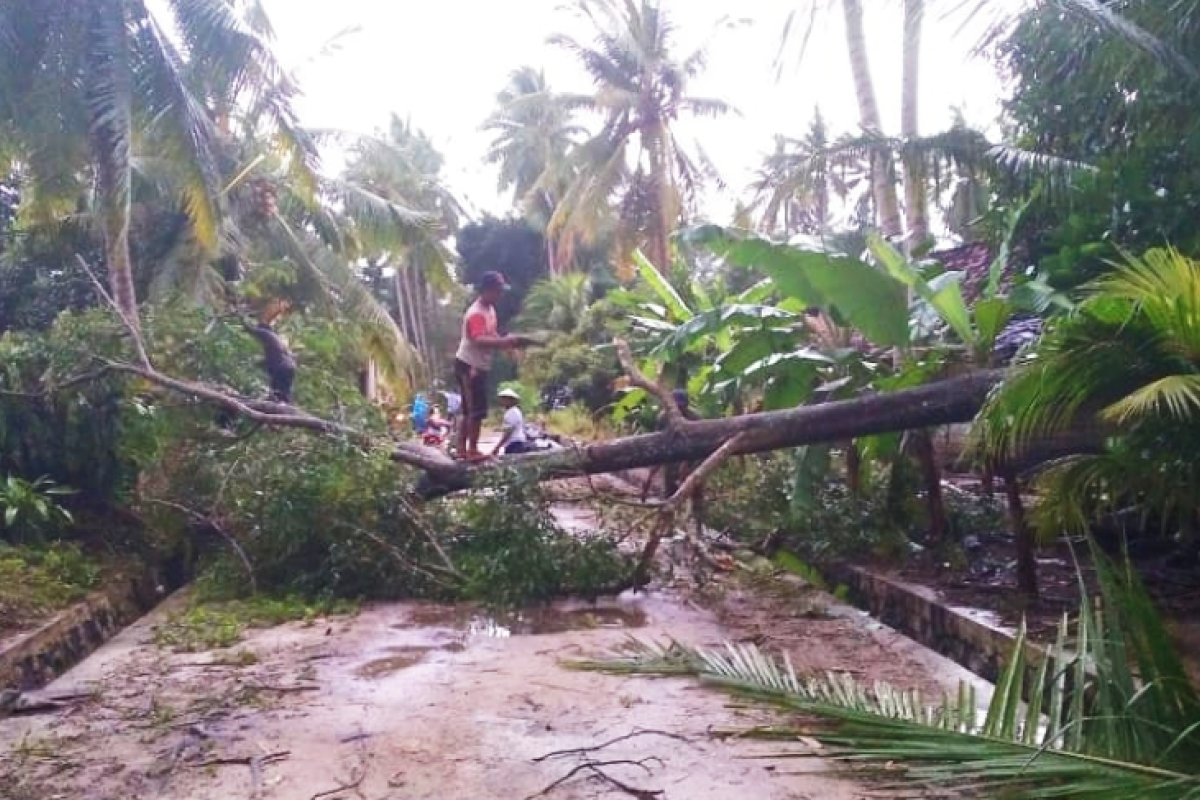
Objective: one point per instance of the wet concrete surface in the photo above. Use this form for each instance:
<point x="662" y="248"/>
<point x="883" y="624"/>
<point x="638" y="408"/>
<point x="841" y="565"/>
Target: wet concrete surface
<point x="415" y="700"/>
<point x="402" y="701"/>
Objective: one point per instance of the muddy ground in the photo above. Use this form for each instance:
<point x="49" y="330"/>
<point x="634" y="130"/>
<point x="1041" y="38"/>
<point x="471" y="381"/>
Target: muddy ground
<point x="423" y="701"/>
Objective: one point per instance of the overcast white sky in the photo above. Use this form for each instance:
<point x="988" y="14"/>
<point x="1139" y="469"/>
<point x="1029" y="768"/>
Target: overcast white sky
<point x="441" y="63"/>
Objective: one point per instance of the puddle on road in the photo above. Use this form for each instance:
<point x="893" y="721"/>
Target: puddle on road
<point x="528" y="621"/>
<point x="531" y="622"/>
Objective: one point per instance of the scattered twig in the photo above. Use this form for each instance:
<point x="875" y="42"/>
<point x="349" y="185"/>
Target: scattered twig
<point x="299" y="687"/>
<point x="597" y="771"/>
<point x="357" y="775"/>
<point x="245" y="760"/>
<point x="582" y="751"/>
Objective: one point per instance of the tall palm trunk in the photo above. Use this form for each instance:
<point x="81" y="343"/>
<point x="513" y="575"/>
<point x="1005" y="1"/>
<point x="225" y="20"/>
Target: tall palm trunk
<point x="420" y="318"/>
<point x="109" y="98"/>
<point x="917" y="234"/>
<point x="887" y="204"/>
<point x="660" y="233"/>
<point x="402" y="317"/>
<point x="116" y="243"/>
<point x="411" y="313"/>
<point x="915" y="201"/>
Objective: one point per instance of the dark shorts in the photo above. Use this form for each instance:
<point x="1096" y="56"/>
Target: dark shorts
<point x="516" y="448"/>
<point x="473" y="390"/>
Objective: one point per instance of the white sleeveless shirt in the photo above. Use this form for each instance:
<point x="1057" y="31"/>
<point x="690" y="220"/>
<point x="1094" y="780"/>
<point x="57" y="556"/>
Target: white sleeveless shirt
<point x="470" y="353"/>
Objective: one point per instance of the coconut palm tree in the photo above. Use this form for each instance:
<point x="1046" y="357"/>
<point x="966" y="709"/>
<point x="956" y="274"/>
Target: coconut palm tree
<point x="635" y="161"/>
<point x="1126" y="362"/>
<point x="796" y="184"/>
<point x="534" y="136"/>
<point x="87" y="87"/>
<point x="559" y="303"/>
<point x="887" y="205"/>
<point x="401" y="170"/>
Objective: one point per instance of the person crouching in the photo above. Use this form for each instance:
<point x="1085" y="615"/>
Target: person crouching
<point x="512" y="439"/>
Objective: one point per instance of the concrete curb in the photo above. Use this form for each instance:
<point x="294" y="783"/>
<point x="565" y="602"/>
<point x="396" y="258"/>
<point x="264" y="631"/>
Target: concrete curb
<point x="30" y="661"/>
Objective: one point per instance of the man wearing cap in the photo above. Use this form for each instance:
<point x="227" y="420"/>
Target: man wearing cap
<point x="480" y="340"/>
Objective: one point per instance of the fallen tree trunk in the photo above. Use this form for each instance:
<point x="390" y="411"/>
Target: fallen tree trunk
<point x="940" y="403"/>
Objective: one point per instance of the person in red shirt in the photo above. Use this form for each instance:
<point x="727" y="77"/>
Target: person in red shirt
<point x="480" y="340"/>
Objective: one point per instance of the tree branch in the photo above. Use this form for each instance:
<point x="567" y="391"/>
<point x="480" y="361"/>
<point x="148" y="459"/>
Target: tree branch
<point x="667" y="509"/>
<point x="675" y="418"/>
<point x="131" y="327"/>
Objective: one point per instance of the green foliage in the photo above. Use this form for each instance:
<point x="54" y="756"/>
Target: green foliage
<point x="211" y="625"/>
<point x="31" y="513"/>
<point x="511" y="550"/>
<point x="578" y="422"/>
<point x="862" y="296"/>
<point x="38" y="580"/>
<point x="808" y="510"/>
<point x="570" y="361"/>
<point x="1107" y="713"/>
<point x="1110" y="85"/>
<point x="1126" y="364"/>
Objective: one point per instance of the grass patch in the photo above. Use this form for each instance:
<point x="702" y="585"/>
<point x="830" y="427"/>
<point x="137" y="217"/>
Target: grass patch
<point x="36" y="581"/>
<point x="578" y="422"/>
<point x="215" y="625"/>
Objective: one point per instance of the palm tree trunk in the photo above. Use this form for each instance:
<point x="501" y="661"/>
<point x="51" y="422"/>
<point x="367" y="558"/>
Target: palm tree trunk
<point x="410" y="312"/>
<point x="401" y="308"/>
<point x="113" y="175"/>
<point x="659" y="245"/>
<point x="420" y="318"/>
<point x="887" y="204"/>
<point x="915" y="201"/>
<point x="1027" y="579"/>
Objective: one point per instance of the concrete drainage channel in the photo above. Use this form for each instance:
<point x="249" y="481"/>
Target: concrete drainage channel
<point x="966" y="636"/>
<point x="31" y="660"/>
<point x="963" y="635"/>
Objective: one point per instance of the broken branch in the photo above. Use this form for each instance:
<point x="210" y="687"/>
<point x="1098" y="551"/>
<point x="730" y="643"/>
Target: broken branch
<point x="675" y="418"/>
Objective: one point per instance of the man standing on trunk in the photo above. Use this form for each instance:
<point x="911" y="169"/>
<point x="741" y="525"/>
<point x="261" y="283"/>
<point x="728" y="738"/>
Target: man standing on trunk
<point x="480" y="340"/>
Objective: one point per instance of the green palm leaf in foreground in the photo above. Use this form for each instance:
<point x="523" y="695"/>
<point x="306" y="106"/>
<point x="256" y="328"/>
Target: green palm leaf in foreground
<point x="1133" y="732"/>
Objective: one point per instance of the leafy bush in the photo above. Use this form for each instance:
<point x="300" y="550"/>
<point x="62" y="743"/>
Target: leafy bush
<point x="577" y="422"/>
<point x="573" y="362"/>
<point x="34" y="581"/>
<point x="510" y="550"/>
<point x="31" y="513"/>
<point x="754" y="500"/>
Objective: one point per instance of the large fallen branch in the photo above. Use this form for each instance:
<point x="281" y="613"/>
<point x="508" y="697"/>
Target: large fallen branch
<point x="941" y="403"/>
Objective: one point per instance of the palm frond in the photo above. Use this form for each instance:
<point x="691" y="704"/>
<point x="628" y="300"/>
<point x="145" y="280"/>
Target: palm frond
<point x="1104" y="17"/>
<point x="343" y="293"/>
<point x="179" y="126"/>
<point x="1104" y="713"/>
<point x="1128" y="352"/>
